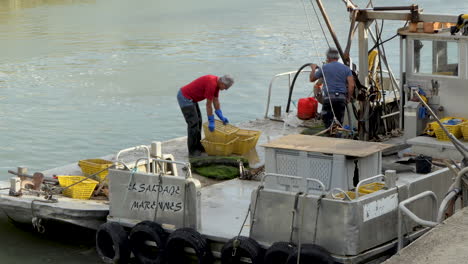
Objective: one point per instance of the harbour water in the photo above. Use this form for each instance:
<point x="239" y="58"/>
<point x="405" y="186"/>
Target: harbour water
<point x="84" y="78"/>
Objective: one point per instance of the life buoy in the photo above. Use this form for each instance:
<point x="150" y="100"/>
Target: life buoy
<point x="112" y="243"/>
<point x="311" y="254"/>
<point x="148" y="240"/>
<point x="278" y="253"/>
<point x="183" y="238"/>
<point x="241" y="248"/>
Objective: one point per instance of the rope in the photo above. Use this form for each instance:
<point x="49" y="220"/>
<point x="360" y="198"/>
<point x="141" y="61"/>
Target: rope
<point x="37" y="222"/>
<point x="403" y="218"/>
<point x="294" y="213"/>
<point x="157" y="198"/>
<point x="254" y="210"/>
<point x="335" y="120"/>
<point x="319" y="202"/>
<point x="320" y="23"/>
<point x="129" y="182"/>
<point x="236" y="242"/>
<point x="299" y="244"/>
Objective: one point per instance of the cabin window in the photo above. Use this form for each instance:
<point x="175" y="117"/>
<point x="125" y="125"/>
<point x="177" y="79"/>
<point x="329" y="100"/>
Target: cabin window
<point x="435" y="57"/>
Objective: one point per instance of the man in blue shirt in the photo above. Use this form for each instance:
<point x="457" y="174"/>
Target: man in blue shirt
<point x="337" y="89"/>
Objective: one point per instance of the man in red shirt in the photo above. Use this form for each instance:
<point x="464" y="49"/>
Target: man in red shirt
<point x="206" y="87"/>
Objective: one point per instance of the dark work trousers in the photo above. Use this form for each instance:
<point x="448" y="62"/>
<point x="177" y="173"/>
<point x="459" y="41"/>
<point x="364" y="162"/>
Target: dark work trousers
<point x="339" y="106"/>
<point x="193" y="118"/>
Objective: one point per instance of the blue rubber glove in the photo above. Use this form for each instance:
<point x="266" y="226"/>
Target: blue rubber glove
<point x="211" y="123"/>
<point x="219" y="113"/>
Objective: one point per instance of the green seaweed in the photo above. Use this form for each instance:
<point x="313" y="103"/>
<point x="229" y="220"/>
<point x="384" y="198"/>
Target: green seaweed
<point x="219" y="172"/>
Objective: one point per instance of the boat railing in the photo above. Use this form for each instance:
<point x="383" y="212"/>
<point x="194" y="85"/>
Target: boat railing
<point x="289" y="74"/>
<point x="186" y="165"/>
<point x="136" y="148"/>
<point x="402" y="209"/>
<point x="370" y="179"/>
<point x="335" y="192"/>
<point x="291" y="180"/>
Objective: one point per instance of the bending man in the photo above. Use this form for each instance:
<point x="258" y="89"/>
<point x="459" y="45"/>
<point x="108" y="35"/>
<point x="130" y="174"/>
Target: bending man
<point x="206" y="87"/>
<point x="338" y="87"/>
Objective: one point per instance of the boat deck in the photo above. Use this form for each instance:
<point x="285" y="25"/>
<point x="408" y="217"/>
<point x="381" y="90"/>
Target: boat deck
<point x="228" y="199"/>
<point x="178" y="148"/>
<point x="445" y="149"/>
<point x="224" y="208"/>
<point x="445" y="243"/>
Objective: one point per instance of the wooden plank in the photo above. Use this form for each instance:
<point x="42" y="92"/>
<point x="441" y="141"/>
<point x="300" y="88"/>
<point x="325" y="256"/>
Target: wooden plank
<point x="327" y="145"/>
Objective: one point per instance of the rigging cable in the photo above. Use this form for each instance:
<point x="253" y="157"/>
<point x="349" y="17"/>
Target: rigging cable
<point x="335" y="120"/>
<point x="320" y="23"/>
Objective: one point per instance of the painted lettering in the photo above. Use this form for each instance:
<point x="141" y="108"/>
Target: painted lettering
<point x="156" y="188"/>
<point x="165" y="206"/>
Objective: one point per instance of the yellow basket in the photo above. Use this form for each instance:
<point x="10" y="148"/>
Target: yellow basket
<point x="222" y="133"/>
<point x="219" y="149"/>
<point x="464" y="130"/>
<point x="371" y="187"/>
<point x="247" y="140"/>
<point x="351" y="195"/>
<point x="432" y="126"/>
<point x="453" y="129"/>
<point x="82" y="190"/>
<point x="92" y="166"/>
<point x="363" y="190"/>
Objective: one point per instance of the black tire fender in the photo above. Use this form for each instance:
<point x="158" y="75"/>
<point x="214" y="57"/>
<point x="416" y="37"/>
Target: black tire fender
<point x="311" y="253"/>
<point x="278" y="253"/>
<point x="247" y="248"/>
<point x="112" y="243"/>
<point x="187" y="237"/>
<point x="148" y="231"/>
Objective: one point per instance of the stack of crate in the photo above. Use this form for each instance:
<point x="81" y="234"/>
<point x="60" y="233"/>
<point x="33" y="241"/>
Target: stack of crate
<point x="228" y="139"/>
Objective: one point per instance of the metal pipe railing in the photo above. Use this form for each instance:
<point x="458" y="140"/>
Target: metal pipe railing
<point x="271" y="86"/>
<point x="340" y="191"/>
<point x="322" y="186"/>
<point x="402" y="209"/>
<point x="185" y="164"/>
<point x="367" y="180"/>
<point x="141" y="147"/>
<point x="443" y="205"/>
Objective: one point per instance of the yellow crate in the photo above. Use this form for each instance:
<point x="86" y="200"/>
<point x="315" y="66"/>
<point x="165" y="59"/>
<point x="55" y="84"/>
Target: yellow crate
<point x="245" y="133"/>
<point x="351" y="194"/>
<point x="363" y="190"/>
<point x="82" y="190"/>
<point x="453" y="129"/>
<point x="247" y="140"/>
<point x="433" y="126"/>
<point x="371" y="187"/>
<point x="243" y="146"/>
<point x="464" y="129"/>
<point x="92" y="166"/>
<point x="222" y="133"/>
<point x="219" y="149"/>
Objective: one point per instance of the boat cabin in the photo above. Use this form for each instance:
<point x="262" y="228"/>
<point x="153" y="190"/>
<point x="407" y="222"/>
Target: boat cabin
<point x="434" y="63"/>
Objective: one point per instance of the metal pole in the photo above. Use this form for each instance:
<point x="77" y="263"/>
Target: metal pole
<point x="350" y="34"/>
<point x="332" y="31"/>
<point x="390" y="72"/>
<point x="403" y="53"/>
